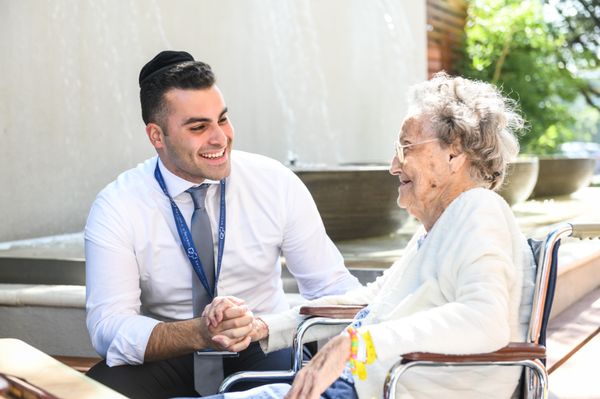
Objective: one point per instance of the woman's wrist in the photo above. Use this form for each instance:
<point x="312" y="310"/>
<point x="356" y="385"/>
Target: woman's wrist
<point x="260" y="330"/>
<point x="362" y="351"/>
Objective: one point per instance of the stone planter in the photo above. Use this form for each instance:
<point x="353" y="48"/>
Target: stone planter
<point x="355" y="201"/>
<point x="562" y="176"/>
<point x="521" y="176"/>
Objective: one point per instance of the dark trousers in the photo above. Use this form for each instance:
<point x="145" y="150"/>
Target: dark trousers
<point x="175" y="377"/>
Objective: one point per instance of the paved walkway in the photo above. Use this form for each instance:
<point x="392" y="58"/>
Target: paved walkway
<point x="579" y="377"/>
<point x="573" y="343"/>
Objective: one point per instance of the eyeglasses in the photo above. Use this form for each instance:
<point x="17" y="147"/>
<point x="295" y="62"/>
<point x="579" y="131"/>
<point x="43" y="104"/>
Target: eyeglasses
<point x="400" y="148"/>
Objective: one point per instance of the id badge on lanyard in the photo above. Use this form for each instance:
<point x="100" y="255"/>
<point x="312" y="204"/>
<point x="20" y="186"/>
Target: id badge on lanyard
<point x="186" y="236"/>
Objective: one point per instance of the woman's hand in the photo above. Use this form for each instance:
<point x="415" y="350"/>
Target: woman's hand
<point x="322" y="371"/>
<point x="260" y="330"/>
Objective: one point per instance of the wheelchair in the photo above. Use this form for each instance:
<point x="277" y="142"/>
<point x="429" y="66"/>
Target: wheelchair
<point x="530" y="354"/>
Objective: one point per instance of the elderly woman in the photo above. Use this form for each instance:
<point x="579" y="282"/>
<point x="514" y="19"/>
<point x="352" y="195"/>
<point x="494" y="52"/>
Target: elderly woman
<point x="457" y="289"/>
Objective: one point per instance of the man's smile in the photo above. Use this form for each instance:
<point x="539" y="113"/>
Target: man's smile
<point x="213" y="155"/>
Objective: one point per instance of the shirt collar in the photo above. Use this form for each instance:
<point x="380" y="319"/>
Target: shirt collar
<point x="175" y="184"/>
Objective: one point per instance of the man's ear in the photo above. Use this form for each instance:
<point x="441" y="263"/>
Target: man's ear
<point x="155" y="135"/>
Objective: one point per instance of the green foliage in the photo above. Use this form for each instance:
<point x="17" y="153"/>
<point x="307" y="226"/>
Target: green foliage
<point x="508" y="42"/>
<point x="587" y="123"/>
<point x="579" y="23"/>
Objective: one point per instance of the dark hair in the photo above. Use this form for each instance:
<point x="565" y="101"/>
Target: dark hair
<point x="187" y="75"/>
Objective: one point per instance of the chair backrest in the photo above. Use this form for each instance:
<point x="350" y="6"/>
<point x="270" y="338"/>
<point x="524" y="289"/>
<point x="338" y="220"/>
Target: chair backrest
<point x="539" y="289"/>
<point x="546" y="256"/>
<point x="552" y="268"/>
<point x="528" y="291"/>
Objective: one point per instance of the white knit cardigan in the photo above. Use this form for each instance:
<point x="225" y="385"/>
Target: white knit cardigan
<point x="459" y="293"/>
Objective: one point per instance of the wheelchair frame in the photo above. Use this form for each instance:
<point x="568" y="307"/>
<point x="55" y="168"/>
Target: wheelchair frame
<point x="530" y="354"/>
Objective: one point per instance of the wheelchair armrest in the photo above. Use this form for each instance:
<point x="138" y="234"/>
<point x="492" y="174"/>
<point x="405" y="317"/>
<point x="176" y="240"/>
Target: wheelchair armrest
<point x="585" y="230"/>
<point x="514" y="351"/>
<point x="332" y="311"/>
<point x="513" y="354"/>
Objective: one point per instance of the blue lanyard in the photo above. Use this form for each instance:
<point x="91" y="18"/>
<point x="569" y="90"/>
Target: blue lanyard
<point x="186" y="236"/>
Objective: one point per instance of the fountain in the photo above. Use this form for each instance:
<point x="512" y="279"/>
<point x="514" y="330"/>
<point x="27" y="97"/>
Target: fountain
<point x="563" y="176"/>
<point x="323" y="107"/>
<point x="521" y="177"/>
<point x="355" y="201"/>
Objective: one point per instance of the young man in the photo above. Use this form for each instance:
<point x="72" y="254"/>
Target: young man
<point x="152" y="233"/>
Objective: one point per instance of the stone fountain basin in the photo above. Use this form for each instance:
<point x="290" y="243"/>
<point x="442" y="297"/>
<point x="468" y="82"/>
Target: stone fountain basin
<point x="521" y="177"/>
<point x="355" y="201"/>
<point x="562" y="176"/>
<point x="364" y="276"/>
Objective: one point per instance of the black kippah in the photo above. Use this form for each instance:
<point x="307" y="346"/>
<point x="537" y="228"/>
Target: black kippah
<point x="163" y="61"/>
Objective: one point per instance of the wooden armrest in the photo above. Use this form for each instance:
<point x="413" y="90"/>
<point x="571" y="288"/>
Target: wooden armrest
<point x="514" y="351"/>
<point x="332" y="311"/>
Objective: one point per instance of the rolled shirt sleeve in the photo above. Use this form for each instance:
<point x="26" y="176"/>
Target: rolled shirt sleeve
<point x="117" y="330"/>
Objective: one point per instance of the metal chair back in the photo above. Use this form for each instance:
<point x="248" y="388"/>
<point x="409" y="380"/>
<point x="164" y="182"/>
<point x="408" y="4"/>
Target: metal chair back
<point x="530" y="354"/>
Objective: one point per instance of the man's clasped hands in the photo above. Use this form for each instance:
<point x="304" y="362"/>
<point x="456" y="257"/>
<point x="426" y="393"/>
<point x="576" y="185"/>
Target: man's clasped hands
<point x="227" y="324"/>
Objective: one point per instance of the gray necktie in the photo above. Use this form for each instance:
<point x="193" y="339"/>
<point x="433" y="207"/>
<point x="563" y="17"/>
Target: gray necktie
<point x="208" y="370"/>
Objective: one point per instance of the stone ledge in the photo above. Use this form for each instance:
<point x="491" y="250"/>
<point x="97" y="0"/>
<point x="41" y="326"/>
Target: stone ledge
<point x="575" y="280"/>
<point x="52" y="318"/>
<point x="69" y="296"/>
<point x="54" y="330"/>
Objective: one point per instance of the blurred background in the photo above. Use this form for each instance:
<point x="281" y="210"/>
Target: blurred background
<point x="308" y="82"/>
<point x="315" y="82"/>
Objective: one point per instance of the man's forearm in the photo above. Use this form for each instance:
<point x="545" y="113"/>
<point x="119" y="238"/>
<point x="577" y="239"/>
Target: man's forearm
<point x="172" y="339"/>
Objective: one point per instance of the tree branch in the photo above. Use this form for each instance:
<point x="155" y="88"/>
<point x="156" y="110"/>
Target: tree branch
<point x="503" y="55"/>
<point x="587" y="92"/>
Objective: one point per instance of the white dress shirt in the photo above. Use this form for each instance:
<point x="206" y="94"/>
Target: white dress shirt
<point x="137" y="272"/>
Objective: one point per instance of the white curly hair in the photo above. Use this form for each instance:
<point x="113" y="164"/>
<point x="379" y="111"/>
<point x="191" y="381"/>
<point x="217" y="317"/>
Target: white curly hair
<point x="475" y="115"/>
